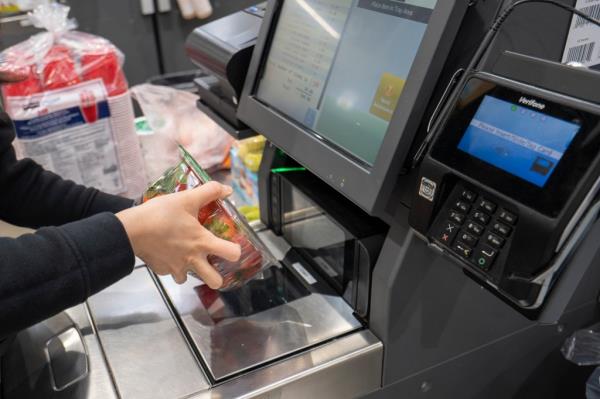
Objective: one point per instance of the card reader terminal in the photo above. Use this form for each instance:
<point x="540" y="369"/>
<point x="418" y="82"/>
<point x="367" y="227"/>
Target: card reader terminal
<point x="511" y="171"/>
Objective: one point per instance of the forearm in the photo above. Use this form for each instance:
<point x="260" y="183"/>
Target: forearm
<point x="33" y="197"/>
<point x="59" y="267"/>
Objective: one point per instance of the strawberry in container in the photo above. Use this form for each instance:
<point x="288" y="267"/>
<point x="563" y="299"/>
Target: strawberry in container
<point x="222" y="219"/>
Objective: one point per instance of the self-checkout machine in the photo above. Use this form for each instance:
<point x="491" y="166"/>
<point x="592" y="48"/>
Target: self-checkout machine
<point x="446" y="331"/>
<point x="360" y="302"/>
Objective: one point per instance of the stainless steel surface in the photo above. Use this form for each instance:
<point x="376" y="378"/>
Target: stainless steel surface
<point x="276" y="244"/>
<point x="147" y="356"/>
<point x="126" y="343"/>
<point x="348" y="367"/>
<point x="146" y="352"/>
<point x="67" y="359"/>
<point x="27" y="371"/>
<point x="257" y="225"/>
<point x="232" y="332"/>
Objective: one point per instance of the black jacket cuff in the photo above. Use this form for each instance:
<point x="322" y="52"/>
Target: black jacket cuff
<point x="104" y="249"/>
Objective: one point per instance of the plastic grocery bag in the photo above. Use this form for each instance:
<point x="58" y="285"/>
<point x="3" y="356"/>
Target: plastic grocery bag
<point x="221" y="218"/>
<point x="174" y="119"/>
<point x="73" y="113"/>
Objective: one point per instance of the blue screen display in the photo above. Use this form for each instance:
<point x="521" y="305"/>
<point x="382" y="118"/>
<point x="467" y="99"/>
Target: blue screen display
<point x="517" y="139"/>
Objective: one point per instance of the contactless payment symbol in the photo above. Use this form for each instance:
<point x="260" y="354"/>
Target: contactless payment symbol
<point x="427" y="189"/>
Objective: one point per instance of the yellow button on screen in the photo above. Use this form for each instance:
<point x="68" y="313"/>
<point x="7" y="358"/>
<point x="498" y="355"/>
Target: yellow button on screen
<point x="387" y="95"/>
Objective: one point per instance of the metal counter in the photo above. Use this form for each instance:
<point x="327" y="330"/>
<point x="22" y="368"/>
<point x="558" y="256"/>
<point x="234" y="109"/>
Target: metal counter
<point x="146" y="337"/>
<point x="144" y="347"/>
<point x="59" y="358"/>
<point x="232" y="333"/>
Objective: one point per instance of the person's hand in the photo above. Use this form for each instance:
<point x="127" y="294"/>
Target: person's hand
<point x="10" y="76"/>
<point x="165" y="233"/>
<point x="10" y="73"/>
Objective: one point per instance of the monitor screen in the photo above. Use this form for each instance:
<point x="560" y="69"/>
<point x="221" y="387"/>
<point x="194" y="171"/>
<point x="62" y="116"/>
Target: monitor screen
<point x="338" y="67"/>
<point x="517" y="139"/>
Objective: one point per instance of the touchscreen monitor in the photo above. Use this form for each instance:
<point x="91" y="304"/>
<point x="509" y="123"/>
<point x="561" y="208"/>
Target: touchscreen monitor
<point x="338" y="67"/>
<point x="524" y="142"/>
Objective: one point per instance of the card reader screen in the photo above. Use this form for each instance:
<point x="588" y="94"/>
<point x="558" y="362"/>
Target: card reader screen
<point x="518" y="139"/>
<point x="338" y="67"/>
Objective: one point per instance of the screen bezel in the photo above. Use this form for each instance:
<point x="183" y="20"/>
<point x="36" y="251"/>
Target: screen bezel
<point x="367" y="186"/>
<point x="568" y="173"/>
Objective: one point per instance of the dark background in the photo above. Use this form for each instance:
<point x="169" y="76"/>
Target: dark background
<point x="153" y="44"/>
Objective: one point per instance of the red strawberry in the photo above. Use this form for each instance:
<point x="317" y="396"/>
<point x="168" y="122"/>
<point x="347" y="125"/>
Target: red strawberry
<point x="222" y="226"/>
<point x="251" y="259"/>
<point x="207" y="211"/>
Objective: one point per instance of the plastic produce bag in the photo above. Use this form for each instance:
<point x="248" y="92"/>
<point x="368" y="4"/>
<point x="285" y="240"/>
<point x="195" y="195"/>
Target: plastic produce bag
<point x="73" y="113"/>
<point x="219" y="217"/>
<point x="174" y="119"/>
<point x="583" y="346"/>
<point x="62" y="57"/>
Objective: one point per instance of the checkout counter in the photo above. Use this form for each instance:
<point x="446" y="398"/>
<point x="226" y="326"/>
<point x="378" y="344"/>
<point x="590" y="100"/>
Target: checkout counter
<point x="371" y="296"/>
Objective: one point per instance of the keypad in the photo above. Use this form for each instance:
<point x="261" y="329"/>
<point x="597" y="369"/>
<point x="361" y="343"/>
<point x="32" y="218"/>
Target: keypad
<point x="475" y="228"/>
<point x="487" y="206"/>
<point x="507" y="217"/>
<point x="484" y="257"/>
<point x="494" y="240"/>
<point x="462" y="249"/>
<point x="449" y="231"/>
<point x="457" y="217"/>
<point x="501" y="229"/>
<point x="468" y="195"/>
<point x="468" y="239"/>
<point x="462" y="206"/>
<point x="481" y="217"/>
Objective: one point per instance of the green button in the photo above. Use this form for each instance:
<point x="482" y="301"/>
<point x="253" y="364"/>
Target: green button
<point x="482" y="261"/>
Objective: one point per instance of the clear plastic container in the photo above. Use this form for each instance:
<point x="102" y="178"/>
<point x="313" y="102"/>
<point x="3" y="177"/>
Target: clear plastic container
<point x="222" y="219"/>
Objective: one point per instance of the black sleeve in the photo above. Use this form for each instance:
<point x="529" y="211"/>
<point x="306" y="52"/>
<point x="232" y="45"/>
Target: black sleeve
<point x="44" y="273"/>
<point x="59" y="267"/>
<point x="33" y="197"/>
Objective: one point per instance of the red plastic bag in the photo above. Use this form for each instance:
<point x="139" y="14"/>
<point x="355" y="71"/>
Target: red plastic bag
<point x="73" y="112"/>
<point x="62" y="57"/>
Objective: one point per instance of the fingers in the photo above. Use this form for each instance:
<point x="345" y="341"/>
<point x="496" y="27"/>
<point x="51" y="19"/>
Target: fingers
<point x="222" y="248"/>
<point x="12" y="76"/>
<point x="207" y="273"/>
<point x="180" y="276"/>
<point x="207" y="193"/>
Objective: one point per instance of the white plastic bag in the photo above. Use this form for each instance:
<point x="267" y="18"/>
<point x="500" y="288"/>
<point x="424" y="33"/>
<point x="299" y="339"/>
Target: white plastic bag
<point x="174" y="119"/>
